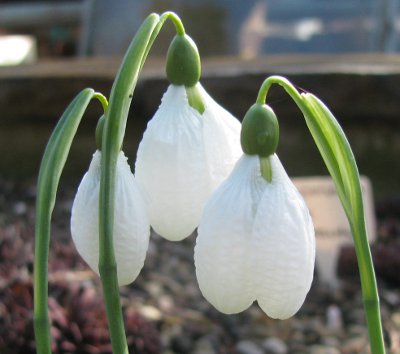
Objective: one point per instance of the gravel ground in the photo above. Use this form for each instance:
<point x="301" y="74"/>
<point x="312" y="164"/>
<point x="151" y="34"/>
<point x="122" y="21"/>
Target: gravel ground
<point x="164" y="310"/>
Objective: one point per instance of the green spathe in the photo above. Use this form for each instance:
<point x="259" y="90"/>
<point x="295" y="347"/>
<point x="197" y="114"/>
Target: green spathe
<point x="260" y="131"/>
<point x="183" y="61"/>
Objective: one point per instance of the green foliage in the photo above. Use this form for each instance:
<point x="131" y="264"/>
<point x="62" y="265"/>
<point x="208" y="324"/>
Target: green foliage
<point x="340" y="162"/>
<point x="52" y="164"/>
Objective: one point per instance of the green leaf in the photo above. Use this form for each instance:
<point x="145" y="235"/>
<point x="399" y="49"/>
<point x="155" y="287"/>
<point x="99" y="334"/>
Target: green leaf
<point x="52" y="164"/>
<point x="336" y="153"/>
<point x="339" y="159"/>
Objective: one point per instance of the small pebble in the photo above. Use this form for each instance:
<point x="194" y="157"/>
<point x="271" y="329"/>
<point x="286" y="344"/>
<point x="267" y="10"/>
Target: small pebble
<point x="322" y="349"/>
<point x="396" y="319"/>
<point x="150" y="313"/>
<point x="247" y="347"/>
<point x="20" y="208"/>
<point x="355" y="345"/>
<point x="334" y="320"/>
<point x="274" y="345"/>
<point x="203" y="346"/>
<point x="391" y="297"/>
<point x="330" y="341"/>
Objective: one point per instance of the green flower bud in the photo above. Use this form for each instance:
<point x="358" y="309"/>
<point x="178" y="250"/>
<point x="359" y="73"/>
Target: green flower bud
<point x="183" y="61"/>
<point x="99" y="132"/>
<point x="260" y="131"/>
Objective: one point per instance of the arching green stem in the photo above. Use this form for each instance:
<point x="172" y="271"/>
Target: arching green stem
<point x="180" y="30"/>
<point x="113" y="134"/>
<point x="51" y="167"/>
<point x="339" y="159"/>
<point x="102" y="100"/>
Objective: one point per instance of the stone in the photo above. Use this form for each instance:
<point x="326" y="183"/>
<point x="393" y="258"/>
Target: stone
<point x="322" y="349"/>
<point x="330" y="341"/>
<point x="150" y="312"/>
<point x="248" y="347"/>
<point x="334" y="319"/>
<point x="275" y="345"/>
<point x="204" y="346"/>
<point x="355" y="345"/>
<point x="396" y="319"/>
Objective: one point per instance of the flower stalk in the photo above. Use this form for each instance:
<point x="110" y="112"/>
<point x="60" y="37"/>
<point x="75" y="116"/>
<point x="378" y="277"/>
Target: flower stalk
<point x="54" y="159"/>
<point x="340" y="162"/>
<point x="113" y="134"/>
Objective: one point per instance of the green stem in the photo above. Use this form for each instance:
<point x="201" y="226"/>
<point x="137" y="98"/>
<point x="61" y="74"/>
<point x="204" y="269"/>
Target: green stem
<point x="298" y="99"/>
<point x="164" y="16"/>
<point x="51" y="167"/>
<point x="340" y="161"/>
<point x="175" y="20"/>
<point x="102" y="99"/>
<point x="113" y="134"/>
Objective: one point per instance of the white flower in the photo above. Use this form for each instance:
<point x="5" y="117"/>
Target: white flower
<point x="131" y="225"/>
<point x="183" y="157"/>
<point x="256" y="243"/>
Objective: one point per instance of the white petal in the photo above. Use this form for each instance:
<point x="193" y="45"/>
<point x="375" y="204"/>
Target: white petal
<point x="182" y="158"/>
<point x="131" y="225"/>
<point x="223" y="247"/>
<point x="221" y="136"/>
<point x="256" y="242"/>
<point x="283" y="247"/>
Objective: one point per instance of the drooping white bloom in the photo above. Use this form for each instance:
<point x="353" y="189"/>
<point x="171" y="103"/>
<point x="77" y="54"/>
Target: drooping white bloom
<point x="131" y="225"/>
<point x="183" y="157"/>
<point x="256" y="243"/>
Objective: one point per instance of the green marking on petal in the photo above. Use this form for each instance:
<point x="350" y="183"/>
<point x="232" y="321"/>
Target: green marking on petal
<point x="194" y="98"/>
<point x="266" y="169"/>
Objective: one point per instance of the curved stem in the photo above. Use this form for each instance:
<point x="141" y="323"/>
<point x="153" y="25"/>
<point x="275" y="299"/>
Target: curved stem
<point x="339" y="159"/>
<point x="281" y="81"/>
<point x="175" y="20"/>
<point x="51" y="167"/>
<point x="298" y="99"/>
<point x="102" y="99"/>
<point x="113" y="134"/>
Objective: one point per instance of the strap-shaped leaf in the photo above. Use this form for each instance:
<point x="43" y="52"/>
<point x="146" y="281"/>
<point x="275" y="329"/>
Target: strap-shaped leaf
<point x="52" y="164"/>
<point x="339" y="159"/>
<point x="336" y="153"/>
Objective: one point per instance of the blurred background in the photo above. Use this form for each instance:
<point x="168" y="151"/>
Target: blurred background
<point x="222" y="27"/>
<point x="345" y="52"/>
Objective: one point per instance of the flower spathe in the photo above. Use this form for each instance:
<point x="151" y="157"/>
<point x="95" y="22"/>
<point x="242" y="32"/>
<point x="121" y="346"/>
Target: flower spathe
<point x="256" y="243"/>
<point x="183" y="157"/>
<point x="131" y="225"/>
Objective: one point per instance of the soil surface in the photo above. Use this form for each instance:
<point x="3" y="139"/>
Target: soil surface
<point x="164" y="309"/>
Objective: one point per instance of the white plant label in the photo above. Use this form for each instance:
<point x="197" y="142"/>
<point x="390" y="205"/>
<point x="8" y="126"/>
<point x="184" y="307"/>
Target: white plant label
<point x="332" y="229"/>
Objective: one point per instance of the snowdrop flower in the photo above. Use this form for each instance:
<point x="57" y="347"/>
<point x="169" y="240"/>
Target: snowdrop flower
<point x="256" y="238"/>
<point x="131" y="225"/>
<point x="190" y="145"/>
<point x="183" y="157"/>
